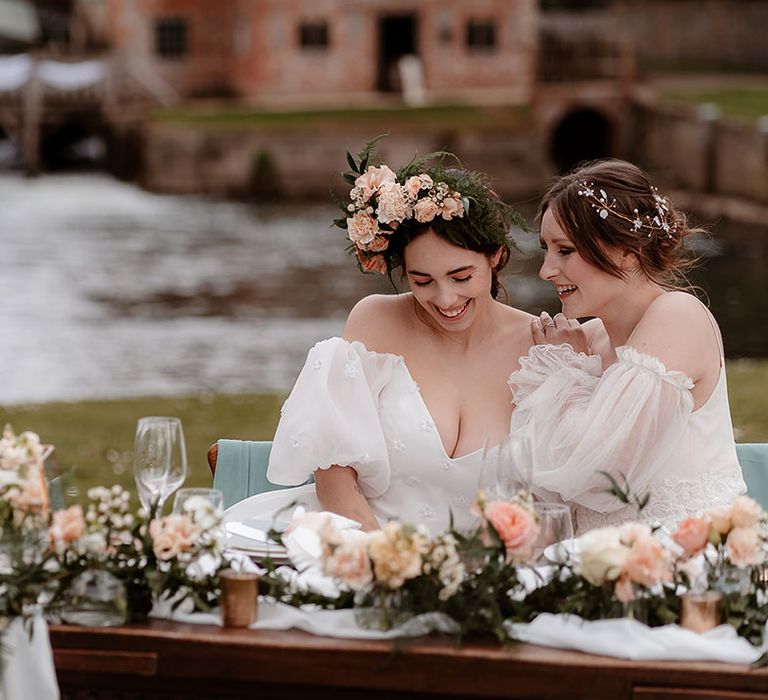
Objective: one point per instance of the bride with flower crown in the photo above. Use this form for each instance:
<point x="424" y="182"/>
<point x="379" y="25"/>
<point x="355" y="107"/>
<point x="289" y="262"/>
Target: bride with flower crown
<point x="393" y="417"/>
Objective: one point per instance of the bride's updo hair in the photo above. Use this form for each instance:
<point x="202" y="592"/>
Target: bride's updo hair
<point x="611" y="204"/>
<point x="386" y="210"/>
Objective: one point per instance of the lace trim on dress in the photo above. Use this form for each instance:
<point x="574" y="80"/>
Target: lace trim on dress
<point x="630" y="356"/>
<point x="672" y="499"/>
<point x="544" y="360"/>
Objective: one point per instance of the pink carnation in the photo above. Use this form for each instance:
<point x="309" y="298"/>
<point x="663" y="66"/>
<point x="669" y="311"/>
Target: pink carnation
<point x="371" y="181"/>
<point x="362" y="228"/>
<point x="692" y="535"/>
<point x="516" y="526"/>
<point x="349" y="563"/>
<point x="745" y="511"/>
<point x="413" y="186"/>
<point x="171" y="535"/>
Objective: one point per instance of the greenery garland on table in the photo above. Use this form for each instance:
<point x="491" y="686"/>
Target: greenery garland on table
<point x="483" y="580"/>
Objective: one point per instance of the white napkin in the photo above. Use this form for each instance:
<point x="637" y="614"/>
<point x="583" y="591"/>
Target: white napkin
<point x="29" y="671"/>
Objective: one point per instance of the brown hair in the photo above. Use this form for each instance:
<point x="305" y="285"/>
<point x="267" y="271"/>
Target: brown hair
<point x="663" y="258"/>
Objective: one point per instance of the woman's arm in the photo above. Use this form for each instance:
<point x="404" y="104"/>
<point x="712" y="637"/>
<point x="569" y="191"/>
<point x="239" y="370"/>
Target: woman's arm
<point x="339" y="492"/>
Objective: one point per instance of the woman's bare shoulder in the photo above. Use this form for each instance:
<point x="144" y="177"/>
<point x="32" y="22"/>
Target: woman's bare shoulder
<point x="379" y="320"/>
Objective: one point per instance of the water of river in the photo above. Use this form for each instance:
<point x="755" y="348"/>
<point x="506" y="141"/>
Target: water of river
<point x="110" y="291"/>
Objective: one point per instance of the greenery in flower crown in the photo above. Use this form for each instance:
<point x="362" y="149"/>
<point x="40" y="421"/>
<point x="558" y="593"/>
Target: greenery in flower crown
<point x="387" y="209"/>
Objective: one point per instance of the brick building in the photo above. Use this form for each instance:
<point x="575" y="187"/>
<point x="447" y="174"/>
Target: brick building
<point x="332" y="51"/>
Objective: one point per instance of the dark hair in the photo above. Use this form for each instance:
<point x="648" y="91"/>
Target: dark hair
<point x="480" y="222"/>
<point x="662" y="256"/>
<point x="484" y="228"/>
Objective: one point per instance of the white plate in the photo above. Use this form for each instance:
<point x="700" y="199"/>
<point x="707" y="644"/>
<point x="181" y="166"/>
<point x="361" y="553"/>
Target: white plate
<point x="558" y="551"/>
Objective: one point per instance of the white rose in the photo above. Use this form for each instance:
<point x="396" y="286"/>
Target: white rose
<point x="601" y="555"/>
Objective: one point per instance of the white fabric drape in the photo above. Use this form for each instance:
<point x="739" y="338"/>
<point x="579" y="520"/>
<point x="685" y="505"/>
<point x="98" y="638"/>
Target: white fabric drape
<point x="581" y="421"/>
<point x="16" y="71"/>
<point x="28" y="663"/>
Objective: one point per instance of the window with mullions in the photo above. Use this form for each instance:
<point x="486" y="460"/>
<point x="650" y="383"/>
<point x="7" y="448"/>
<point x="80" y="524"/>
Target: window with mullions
<point x="313" y="35"/>
<point x="171" y="37"/>
<point x="481" y="35"/>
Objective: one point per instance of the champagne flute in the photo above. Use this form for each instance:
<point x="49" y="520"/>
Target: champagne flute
<point x="555" y="540"/>
<point x="177" y="470"/>
<point x="159" y="459"/>
<point x="504" y="468"/>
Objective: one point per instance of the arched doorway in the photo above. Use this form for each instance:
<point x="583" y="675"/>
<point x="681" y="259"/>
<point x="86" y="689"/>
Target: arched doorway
<point x="583" y="134"/>
<point x="73" y="145"/>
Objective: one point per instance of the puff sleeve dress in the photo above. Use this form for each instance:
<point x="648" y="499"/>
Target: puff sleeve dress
<point x="352" y="407"/>
<point x="634" y="420"/>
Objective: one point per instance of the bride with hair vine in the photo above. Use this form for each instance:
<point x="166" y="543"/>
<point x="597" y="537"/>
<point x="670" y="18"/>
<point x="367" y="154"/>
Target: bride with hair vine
<point x="393" y="417"/>
<point x="638" y="392"/>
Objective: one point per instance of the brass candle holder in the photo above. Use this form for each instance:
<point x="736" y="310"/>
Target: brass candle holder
<point x="700" y="612"/>
<point x="239" y="598"/>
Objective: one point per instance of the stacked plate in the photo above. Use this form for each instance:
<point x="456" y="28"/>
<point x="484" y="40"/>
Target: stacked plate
<point x="250" y="537"/>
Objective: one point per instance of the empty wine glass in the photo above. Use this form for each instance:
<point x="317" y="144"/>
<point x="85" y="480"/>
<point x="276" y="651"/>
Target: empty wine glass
<point x="555" y="540"/>
<point x="159" y="460"/>
<point x="505" y="467"/>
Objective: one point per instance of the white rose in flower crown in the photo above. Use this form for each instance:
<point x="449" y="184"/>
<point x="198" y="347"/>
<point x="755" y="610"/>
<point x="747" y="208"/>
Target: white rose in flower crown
<point x="362" y="228"/>
<point x="393" y="204"/>
<point x="601" y="555"/>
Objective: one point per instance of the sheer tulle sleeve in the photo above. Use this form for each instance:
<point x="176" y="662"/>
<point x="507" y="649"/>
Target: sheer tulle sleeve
<point x="331" y="417"/>
<point x="579" y="422"/>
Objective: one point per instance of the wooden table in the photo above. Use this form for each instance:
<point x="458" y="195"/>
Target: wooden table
<point x="171" y="661"/>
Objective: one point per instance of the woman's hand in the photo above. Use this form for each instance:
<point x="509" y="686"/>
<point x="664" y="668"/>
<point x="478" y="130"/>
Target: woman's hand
<point x="558" y="330"/>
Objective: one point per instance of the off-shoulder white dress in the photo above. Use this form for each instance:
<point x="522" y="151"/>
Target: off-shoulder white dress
<point x="633" y="420"/>
<point x="357" y="408"/>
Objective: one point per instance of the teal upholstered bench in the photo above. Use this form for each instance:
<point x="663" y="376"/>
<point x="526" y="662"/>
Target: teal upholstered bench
<point x="240" y="469"/>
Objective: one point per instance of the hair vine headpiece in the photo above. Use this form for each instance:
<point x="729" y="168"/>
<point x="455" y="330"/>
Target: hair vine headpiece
<point x="658" y="223"/>
<point x="383" y="204"/>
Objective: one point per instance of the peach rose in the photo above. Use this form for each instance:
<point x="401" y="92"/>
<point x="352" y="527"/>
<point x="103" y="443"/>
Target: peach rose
<point x="744" y="547"/>
<point x="692" y="535"/>
<point x="720" y="516"/>
<point x="171" y="535"/>
<point x="68" y="525"/>
<point x="452" y="206"/>
<point x="625" y="589"/>
<point x="516" y="526"/>
<point x="425" y="210"/>
<point x="372" y="180"/>
<point x="349" y="563"/>
<point x="745" y="511"/>
<point x="648" y="562"/>
<point x="362" y="228"/>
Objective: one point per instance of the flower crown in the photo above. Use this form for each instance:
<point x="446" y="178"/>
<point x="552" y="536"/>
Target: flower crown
<point x="384" y="207"/>
<point x="658" y="223"/>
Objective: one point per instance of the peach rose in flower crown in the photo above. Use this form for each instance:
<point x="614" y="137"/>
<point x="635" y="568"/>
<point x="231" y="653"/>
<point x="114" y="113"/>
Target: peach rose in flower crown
<point x="745" y="548"/>
<point x="516" y="526"/>
<point x="376" y="245"/>
<point x="68" y="525"/>
<point x="425" y="210"/>
<point x="745" y="511"/>
<point x="692" y="535"/>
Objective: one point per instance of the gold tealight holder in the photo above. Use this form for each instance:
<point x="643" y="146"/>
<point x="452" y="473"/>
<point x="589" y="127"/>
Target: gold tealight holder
<point x="239" y="598"/>
<point x="700" y="612"/>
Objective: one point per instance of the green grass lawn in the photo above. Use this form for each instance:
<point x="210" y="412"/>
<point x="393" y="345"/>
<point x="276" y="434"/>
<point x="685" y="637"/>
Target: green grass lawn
<point x="238" y="117"/>
<point x="95" y="438"/>
<point x="746" y="102"/>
